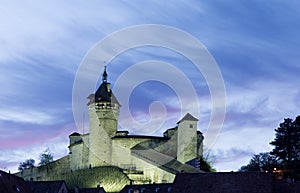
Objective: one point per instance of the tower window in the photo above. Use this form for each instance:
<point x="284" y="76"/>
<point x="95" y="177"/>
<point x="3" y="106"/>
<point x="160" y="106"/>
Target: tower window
<point x="191" y="125"/>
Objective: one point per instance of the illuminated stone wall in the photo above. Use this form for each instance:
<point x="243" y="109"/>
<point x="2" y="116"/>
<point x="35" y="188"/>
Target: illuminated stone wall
<point x="139" y="170"/>
<point x="100" y="143"/>
<point x="187" y="141"/>
<point x="58" y="167"/>
<point x="76" y="156"/>
<point x="112" y="179"/>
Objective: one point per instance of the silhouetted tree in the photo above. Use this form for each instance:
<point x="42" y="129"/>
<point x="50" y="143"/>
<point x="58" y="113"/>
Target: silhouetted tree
<point x="46" y="158"/>
<point x="287" y="147"/>
<point x="261" y="162"/>
<point x="287" y="142"/>
<point x="27" y="164"/>
<point x="206" y="166"/>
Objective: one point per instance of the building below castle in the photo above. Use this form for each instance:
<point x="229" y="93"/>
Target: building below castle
<point x="142" y="158"/>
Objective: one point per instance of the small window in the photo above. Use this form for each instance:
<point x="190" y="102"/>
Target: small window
<point x="191" y="125"/>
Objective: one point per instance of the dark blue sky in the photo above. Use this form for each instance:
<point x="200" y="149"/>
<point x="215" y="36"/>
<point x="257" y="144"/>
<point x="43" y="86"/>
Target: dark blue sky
<point x="254" y="43"/>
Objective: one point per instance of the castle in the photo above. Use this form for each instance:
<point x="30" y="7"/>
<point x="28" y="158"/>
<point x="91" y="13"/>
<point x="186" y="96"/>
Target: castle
<point x="143" y="158"/>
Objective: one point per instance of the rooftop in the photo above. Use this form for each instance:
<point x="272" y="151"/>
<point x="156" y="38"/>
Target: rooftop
<point x="188" y="117"/>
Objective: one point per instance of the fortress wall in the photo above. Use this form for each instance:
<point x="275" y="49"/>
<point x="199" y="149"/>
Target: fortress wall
<point x="62" y="164"/>
<point x="123" y="158"/>
<point x="85" y="160"/>
<point x="169" y="147"/>
<point x="154" y="173"/>
<point x="112" y="179"/>
<point x="129" y="142"/>
<point x="58" y="167"/>
<point x="121" y="155"/>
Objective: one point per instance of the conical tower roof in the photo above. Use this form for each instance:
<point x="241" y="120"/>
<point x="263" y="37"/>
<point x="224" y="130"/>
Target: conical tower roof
<point x="104" y="93"/>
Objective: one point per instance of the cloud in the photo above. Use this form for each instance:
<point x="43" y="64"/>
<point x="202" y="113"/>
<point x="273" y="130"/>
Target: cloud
<point x="236" y="144"/>
<point x="254" y="43"/>
<point x="265" y="102"/>
<point x="31" y="116"/>
<point x="228" y="160"/>
<point x="232" y="154"/>
<point x="28" y="145"/>
<point x="253" y="113"/>
<point x="10" y="158"/>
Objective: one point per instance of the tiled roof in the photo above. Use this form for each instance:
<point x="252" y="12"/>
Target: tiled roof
<point x="10" y="183"/>
<point x="103" y="94"/>
<point x="148" y="188"/>
<point x="46" y="186"/>
<point x="225" y="182"/>
<point x="88" y="190"/>
<point x="161" y="160"/>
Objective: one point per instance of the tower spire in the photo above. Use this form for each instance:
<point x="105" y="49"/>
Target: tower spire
<point x="104" y="76"/>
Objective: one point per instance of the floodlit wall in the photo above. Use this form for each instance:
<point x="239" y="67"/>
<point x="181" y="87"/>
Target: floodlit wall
<point x="112" y="179"/>
<point x="101" y="125"/>
<point x="187" y="141"/>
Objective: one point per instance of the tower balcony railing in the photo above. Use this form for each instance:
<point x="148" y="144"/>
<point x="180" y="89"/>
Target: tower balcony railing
<point x="106" y="105"/>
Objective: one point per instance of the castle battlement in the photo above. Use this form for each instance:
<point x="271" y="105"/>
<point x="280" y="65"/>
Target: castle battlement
<point x="106" y="105"/>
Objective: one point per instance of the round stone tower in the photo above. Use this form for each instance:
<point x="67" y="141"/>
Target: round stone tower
<point x="103" y="114"/>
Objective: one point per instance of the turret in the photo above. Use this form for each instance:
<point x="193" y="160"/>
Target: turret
<point x="76" y="151"/>
<point x="75" y="138"/>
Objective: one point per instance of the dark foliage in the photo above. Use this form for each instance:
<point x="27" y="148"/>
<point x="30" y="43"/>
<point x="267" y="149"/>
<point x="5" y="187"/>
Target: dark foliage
<point x="27" y="164"/>
<point x="287" y="141"/>
<point x="286" y="153"/>
<point x="46" y="157"/>
<point x="261" y="162"/>
<point x="287" y="147"/>
<point x="205" y="166"/>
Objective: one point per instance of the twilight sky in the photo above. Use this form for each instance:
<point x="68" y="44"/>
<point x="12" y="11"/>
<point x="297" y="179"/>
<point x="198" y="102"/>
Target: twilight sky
<point x="42" y="43"/>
